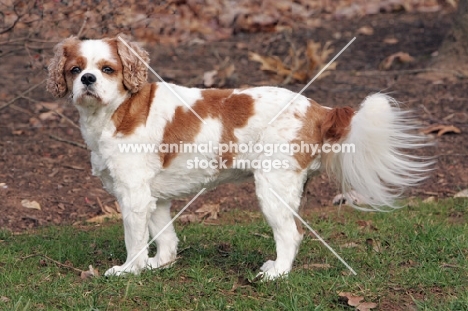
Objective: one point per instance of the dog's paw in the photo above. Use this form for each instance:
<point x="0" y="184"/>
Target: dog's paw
<point x="121" y="271"/>
<point x="352" y="195"/>
<point x="271" y="271"/>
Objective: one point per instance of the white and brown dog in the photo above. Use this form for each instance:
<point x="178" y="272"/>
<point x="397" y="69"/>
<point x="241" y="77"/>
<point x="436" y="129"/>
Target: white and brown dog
<point x="108" y="85"/>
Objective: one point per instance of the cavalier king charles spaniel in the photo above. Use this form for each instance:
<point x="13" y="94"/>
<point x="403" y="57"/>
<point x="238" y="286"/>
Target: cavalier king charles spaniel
<point x="244" y="137"/>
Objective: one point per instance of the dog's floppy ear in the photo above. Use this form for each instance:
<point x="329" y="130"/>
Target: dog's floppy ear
<point x="135" y="72"/>
<point x="56" y="83"/>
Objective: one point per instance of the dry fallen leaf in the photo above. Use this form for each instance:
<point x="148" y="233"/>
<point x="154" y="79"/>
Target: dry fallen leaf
<point x="109" y="213"/>
<point x="110" y="210"/>
<point x="208" y="211"/>
<point x="48" y="106"/>
<point x="102" y="218"/>
<point x="90" y="273"/>
<point x="220" y="75"/>
<point x="318" y="55"/>
<point x="4" y="299"/>
<point x="355" y="301"/>
<point x="349" y="245"/>
<point x="431" y="199"/>
<point x="35" y="122"/>
<point x="461" y="194"/>
<point x="366" y="306"/>
<point x="225" y="72"/>
<point x="375" y="245"/>
<point x="188" y="219"/>
<point x="366" y="30"/>
<point x="117" y="207"/>
<point x="49" y="115"/>
<point x="391" y="40"/>
<point x="441" y="129"/>
<point x="402" y="57"/>
<point x="273" y="64"/>
<point x="300" y="65"/>
<point x="366" y="224"/>
<point x="30" y="204"/>
<point x="208" y="78"/>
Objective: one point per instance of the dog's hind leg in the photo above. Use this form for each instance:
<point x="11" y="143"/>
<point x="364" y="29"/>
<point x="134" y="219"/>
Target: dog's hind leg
<point x="288" y="185"/>
<point x="166" y="238"/>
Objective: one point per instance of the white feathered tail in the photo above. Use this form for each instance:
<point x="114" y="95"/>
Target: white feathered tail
<point x="380" y="169"/>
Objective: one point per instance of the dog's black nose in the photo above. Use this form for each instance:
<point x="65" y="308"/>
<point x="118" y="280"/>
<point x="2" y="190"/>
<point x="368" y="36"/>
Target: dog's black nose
<point x="88" y="79"/>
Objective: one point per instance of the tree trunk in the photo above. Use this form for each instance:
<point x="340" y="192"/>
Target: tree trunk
<point x="452" y="61"/>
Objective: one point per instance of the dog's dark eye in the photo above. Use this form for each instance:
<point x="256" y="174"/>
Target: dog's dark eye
<point x="107" y="69"/>
<point x="75" y="70"/>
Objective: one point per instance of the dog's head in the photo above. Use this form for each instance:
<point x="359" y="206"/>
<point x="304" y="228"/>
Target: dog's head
<point x="96" y="71"/>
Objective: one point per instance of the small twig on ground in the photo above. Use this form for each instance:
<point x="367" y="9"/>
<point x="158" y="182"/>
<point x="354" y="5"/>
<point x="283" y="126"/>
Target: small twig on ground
<point x="14" y="107"/>
<point x="183" y="250"/>
<point x="408" y="72"/>
<point x="74" y="143"/>
<point x="13" y="41"/>
<point x="31" y="59"/>
<point x="18" y="17"/>
<point x="21" y="95"/>
<point x="43" y="41"/>
<point x="426" y="111"/>
<point x="294" y="59"/>
<point x="53" y="260"/>
<point x="73" y="167"/>
<point x="101" y="206"/>
<point x="11" y="52"/>
<point x="29" y="98"/>
<point x="447" y="265"/>
<point x="168" y="264"/>
<point x="83" y="25"/>
<point x="65" y="118"/>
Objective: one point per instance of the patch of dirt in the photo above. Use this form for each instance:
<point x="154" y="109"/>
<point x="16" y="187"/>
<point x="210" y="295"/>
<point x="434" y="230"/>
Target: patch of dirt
<point x="403" y="300"/>
<point x="57" y="175"/>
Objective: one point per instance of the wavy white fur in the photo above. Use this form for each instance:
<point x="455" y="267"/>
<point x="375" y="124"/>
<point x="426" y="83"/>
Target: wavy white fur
<point x="379" y="170"/>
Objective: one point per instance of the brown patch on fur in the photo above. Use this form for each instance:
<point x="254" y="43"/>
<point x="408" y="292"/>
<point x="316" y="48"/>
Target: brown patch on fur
<point x="321" y="125"/>
<point x="118" y="67"/>
<point x="233" y="110"/>
<point x="304" y="197"/>
<point x="335" y="128"/>
<point x="335" y="125"/>
<point x="310" y="132"/>
<point x="135" y="72"/>
<point x="134" y="111"/>
<point x="299" y="225"/>
<point x="66" y="56"/>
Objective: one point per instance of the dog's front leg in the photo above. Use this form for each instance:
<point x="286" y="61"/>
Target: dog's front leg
<point x="136" y="204"/>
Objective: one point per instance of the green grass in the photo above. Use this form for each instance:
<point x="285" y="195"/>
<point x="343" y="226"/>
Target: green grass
<point x="412" y="258"/>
